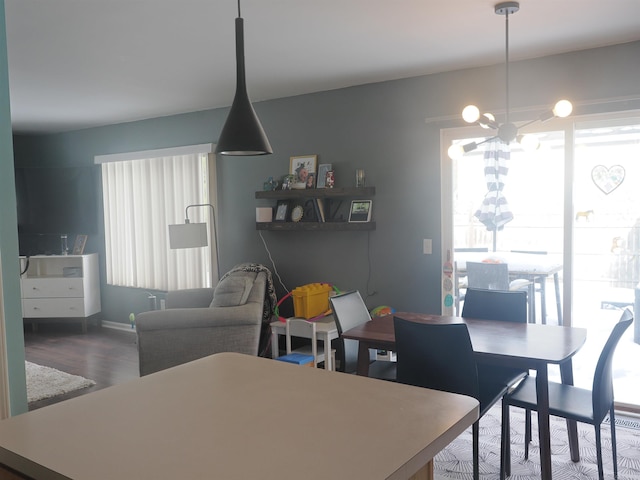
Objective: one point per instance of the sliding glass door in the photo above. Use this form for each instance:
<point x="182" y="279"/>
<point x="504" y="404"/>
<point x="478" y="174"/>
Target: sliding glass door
<point x="575" y="201"/>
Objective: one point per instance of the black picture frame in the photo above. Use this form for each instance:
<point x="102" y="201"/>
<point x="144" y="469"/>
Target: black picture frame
<point x="282" y="211"/>
<point x="360" y="211"/>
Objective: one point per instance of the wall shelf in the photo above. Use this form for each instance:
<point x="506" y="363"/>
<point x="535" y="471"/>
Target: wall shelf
<point x="327" y="195"/>
<point x="315" y="226"/>
<point x="318" y="193"/>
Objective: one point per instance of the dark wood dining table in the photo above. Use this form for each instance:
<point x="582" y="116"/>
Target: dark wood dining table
<point x="526" y="345"/>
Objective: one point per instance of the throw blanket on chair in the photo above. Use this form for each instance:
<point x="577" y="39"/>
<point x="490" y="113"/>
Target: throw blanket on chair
<point x="270" y="302"/>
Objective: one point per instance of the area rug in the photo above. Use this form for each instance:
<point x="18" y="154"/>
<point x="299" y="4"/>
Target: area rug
<point x="47" y="382"/>
<point x="455" y="460"/>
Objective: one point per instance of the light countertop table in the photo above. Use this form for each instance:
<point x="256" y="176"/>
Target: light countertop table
<point x="232" y="416"/>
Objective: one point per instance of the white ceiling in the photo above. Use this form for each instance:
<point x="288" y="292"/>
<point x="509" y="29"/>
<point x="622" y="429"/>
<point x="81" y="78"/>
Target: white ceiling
<point x="81" y="63"/>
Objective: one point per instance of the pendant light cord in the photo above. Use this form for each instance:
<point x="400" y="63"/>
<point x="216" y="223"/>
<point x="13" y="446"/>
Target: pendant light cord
<point x="239" y="14"/>
<point x="506" y="60"/>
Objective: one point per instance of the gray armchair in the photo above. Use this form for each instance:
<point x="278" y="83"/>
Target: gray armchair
<point x="203" y="321"/>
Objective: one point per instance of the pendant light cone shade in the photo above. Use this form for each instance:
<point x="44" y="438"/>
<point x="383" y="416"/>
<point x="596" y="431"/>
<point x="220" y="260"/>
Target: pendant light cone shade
<point x="242" y="133"/>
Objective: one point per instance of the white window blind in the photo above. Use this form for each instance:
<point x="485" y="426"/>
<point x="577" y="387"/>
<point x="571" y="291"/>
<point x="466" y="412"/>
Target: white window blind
<point x="142" y="197"/>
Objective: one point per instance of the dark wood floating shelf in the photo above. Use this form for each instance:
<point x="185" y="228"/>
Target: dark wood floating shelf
<point x="315" y="226"/>
<point x="318" y="193"/>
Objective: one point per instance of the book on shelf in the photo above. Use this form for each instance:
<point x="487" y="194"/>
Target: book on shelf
<point x="320" y="209"/>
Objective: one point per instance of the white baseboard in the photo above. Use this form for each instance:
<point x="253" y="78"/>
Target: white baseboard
<point x="126" y="327"/>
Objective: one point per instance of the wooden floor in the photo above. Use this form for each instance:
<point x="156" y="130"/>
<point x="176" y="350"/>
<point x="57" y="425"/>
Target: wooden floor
<point x="104" y="355"/>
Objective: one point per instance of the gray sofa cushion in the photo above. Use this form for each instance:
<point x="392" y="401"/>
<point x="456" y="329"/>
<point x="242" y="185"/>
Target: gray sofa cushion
<point x="233" y="291"/>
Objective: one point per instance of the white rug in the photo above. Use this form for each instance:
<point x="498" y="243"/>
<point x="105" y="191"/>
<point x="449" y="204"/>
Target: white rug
<point x="47" y="382"/>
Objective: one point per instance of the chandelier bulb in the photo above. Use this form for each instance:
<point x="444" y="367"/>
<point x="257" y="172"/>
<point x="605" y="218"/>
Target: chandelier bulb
<point x="528" y="142"/>
<point x="455" y="151"/>
<point x="487" y="120"/>
<point x="563" y="109"/>
<point x="471" y="114"/>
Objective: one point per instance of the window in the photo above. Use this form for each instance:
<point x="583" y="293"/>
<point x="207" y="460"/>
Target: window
<point x="143" y="193"/>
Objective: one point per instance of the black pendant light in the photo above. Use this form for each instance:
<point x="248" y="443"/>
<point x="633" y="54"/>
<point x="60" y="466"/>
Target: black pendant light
<point x="242" y="133"/>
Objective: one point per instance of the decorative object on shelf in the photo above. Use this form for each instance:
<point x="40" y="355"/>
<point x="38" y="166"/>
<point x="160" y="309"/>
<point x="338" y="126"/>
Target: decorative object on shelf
<point x="507" y="132"/>
<point x="78" y="246"/>
<point x="287" y="181"/>
<point x="264" y="214"/>
<point x="282" y="211"/>
<point x="302" y="167"/>
<point x="297" y="213"/>
<point x="194" y="235"/>
<point x="321" y="181"/>
<point x="270" y="185"/>
<point x="242" y="133"/>
<point x="607" y="179"/>
<point x="330" y="179"/>
<point x="360" y="211"/>
<point x="360" y="178"/>
<point x="64" y="246"/>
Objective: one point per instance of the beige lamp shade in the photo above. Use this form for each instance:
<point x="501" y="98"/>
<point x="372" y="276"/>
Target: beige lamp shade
<point x="188" y="235"/>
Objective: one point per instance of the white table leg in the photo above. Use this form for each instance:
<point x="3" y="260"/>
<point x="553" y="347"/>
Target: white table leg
<point x="326" y="346"/>
<point x="274" y="344"/>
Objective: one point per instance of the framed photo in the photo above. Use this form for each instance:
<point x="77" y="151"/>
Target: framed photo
<point x="282" y="211"/>
<point x="323" y="168"/>
<point x="78" y="246"/>
<point x="302" y="167"/>
<point x="360" y="211"/>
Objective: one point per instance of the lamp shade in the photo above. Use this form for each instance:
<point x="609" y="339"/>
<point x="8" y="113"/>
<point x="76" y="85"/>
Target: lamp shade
<point x="188" y="235"/>
<point x="242" y="133"/>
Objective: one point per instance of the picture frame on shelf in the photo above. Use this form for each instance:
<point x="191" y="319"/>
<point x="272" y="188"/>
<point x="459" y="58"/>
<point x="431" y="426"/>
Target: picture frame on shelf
<point x="78" y="246"/>
<point x="282" y="211"/>
<point x="360" y="211"/>
<point x="321" y="181"/>
<point x="301" y="167"/>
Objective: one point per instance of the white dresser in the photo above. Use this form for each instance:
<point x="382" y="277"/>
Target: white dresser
<point x="61" y="287"/>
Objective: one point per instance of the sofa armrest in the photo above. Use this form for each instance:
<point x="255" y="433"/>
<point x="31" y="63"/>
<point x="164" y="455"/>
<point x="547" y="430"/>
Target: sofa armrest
<point x="189" y="298"/>
<point x="184" y="318"/>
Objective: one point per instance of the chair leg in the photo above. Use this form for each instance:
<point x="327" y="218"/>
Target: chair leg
<point x="527" y="432"/>
<point x="505" y="450"/>
<point x="599" y="452"/>
<point x="476" y="450"/>
<point x="614" y="449"/>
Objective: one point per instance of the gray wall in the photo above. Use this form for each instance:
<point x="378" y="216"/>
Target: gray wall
<point x="379" y="127"/>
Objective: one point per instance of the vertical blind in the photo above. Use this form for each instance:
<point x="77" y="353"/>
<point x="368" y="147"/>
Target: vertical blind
<point x="141" y="198"/>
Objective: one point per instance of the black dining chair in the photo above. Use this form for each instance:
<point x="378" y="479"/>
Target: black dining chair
<point x="349" y="311"/>
<point x="573" y="403"/>
<point x="440" y="356"/>
<point x="501" y="305"/>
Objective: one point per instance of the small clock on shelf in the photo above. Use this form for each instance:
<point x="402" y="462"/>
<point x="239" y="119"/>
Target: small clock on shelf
<point x="297" y="213"/>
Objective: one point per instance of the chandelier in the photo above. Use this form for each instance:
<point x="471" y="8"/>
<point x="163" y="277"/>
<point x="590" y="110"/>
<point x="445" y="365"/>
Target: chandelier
<point x="506" y="132"/>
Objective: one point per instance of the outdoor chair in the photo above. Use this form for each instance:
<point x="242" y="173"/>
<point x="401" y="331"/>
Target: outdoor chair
<point x="349" y="311"/>
<point x="440" y="356"/>
<point x="495" y="276"/>
<point x="570" y="402"/>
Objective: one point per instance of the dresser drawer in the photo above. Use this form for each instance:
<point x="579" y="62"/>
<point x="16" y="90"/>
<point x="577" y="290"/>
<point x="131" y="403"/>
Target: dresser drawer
<point x="52" y="307"/>
<point x="52" y="287"/>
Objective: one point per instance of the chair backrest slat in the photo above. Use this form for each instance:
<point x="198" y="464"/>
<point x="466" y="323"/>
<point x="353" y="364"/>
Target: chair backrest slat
<point x="349" y="311"/>
<point x="438" y="356"/>
<point x="508" y="306"/>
